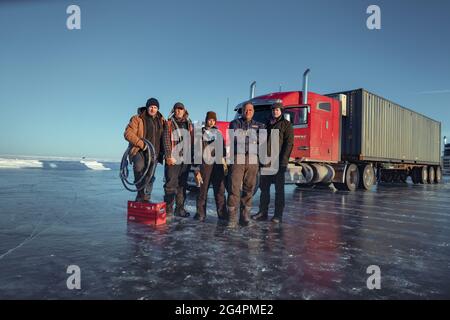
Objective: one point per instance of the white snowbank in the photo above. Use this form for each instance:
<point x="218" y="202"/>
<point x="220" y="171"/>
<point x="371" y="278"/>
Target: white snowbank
<point x="94" y="165"/>
<point x="16" y="163"/>
<point x="19" y="163"/>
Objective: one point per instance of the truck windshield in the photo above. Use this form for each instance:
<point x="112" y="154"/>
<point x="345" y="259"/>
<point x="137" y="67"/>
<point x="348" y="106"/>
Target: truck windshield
<point x="298" y="115"/>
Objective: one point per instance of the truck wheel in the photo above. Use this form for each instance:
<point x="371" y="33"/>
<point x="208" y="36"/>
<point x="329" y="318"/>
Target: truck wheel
<point x="403" y="176"/>
<point x="367" y="177"/>
<point x="431" y="174"/>
<point x="438" y="175"/>
<point x="351" y="180"/>
<point x="423" y="175"/>
<point x="415" y="175"/>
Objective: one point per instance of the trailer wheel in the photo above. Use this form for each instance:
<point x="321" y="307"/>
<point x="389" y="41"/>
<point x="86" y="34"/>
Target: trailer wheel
<point x="431" y="175"/>
<point x="415" y="175"/>
<point x="438" y="175"/>
<point x="367" y="177"/>
<point x="423" y="175"/>
<point x="351" y="179"/>
<point x="403" y="176"/>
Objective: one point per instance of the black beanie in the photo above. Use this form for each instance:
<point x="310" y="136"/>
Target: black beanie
<point x="152" y="102"/>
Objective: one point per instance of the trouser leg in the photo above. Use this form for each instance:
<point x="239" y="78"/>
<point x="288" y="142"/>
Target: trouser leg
<point x="235" y="177"/>
<point x="279" y="191"/>
<point x="182" y="187"/>
<point x="264" y="198"/>
<point x="218" y="182"/>
<point x="205" y="171"/>
<point x="170" y="186"/>
<point x="139" y="162"/>
<point x="248" y="186"/>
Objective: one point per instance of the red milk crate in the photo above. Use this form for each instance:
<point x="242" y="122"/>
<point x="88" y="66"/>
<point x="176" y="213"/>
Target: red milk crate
<point x="147" y="213"/>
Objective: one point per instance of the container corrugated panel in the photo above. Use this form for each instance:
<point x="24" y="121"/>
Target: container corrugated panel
<point x="377" y="129"/>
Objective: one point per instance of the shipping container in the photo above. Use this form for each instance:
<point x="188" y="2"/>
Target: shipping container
<point x="376" y="129"/>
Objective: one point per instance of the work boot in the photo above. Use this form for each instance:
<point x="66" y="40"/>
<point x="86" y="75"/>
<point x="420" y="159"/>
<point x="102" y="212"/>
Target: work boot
<point x="245" y="216"/>
<point x="169" y="200"/>
<point x="222" y="215"/>
<point x="260" y="216"/>
<point x="232" y="217"/>
<point x="276" y="219"/>
<point x="199" y="217"/>
<point x="181" y="212"/>
<point x="142" y="197"/>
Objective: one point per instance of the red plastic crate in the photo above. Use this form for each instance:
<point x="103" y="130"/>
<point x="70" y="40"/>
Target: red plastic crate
<point x="147" y="213"/>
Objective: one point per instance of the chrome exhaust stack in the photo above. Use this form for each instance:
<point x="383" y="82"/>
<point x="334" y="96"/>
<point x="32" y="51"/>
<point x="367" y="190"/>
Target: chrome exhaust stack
<point x="252" y="89"/>
<point x="305" y="86"/>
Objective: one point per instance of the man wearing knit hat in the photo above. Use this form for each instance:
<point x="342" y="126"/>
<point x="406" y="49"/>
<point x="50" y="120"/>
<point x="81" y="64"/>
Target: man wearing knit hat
<point x="286" y="143"/>
<point x="147" y="124"/>
<point x="211" y="173"/>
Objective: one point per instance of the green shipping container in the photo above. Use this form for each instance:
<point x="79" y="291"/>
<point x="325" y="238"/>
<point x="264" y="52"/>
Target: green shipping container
<point x="376" y="129"/>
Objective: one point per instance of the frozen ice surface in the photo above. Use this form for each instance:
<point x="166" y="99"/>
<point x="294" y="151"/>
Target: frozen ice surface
<point x="50" y="219"/>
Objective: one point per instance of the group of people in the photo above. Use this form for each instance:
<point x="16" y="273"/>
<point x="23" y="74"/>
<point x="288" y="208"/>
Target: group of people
<point x="238" y="178"/>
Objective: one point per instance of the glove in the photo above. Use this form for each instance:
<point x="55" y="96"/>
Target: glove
<point x="170" y="161"/>
<point x="225" y="167"/>
<point x="198" y="178"/>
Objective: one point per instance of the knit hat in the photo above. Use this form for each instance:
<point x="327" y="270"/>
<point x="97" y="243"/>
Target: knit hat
<point x="152" y="102"/>
<point x="178" y="105"/>
<point x="210" y="115"/>
<point x="277" y="105"/>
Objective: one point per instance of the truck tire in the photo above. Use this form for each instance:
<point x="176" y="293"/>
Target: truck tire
<point x="403" y="176"/>
<point x="438" y="175"/>
<point x="415" y="175"/>
<point x="423" y="171"/>
<point x="351" y="179"/>
<point x="367" y="177"/>
<point x="431" y="175"/>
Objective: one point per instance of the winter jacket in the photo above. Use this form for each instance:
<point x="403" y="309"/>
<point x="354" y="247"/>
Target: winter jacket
<point x="170" y="127"/>
<point x="243" y="124"/>
<point x="136" y="131"/>
<point x="286" y="138"/>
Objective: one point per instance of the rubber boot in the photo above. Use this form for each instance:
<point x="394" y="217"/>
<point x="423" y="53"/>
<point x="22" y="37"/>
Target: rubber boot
<point x="169" y="200"/>
<point x="245" y="216"/>
<point x="232" y="217"/>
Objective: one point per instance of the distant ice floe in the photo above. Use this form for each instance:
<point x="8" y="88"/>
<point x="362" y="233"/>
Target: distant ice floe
<point x="19" y="164"/>
<point x="94" y="165"/>
<point x="14" y="163"/>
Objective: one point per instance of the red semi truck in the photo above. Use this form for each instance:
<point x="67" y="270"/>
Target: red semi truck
<point x="353" y="138"/>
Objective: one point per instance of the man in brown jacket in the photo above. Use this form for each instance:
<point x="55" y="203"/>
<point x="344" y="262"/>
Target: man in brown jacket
<point x="147" y="124"/>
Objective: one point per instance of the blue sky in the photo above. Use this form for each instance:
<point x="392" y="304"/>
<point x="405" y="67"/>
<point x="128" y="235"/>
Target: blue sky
<point x="71" y="93"/>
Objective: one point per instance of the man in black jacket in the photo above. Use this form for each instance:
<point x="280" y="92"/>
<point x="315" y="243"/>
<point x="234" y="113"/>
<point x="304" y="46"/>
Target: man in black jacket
<point x="286" y="143"/>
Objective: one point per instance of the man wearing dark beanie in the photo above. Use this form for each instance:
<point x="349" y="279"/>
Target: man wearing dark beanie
<point x="211" y="173"/>
<point x="147" y="124"/>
